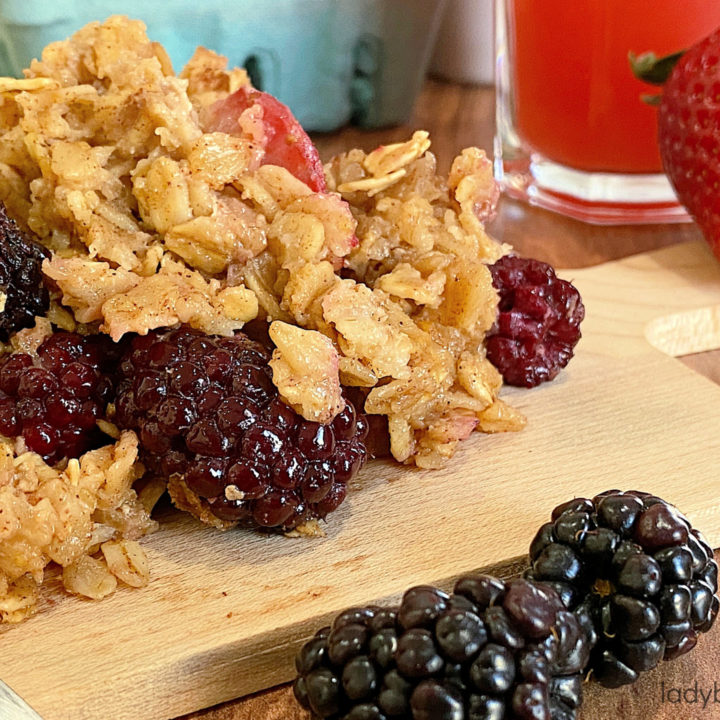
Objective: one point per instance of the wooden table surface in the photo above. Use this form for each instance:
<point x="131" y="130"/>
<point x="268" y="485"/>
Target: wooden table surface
<point x="459" y="116"/>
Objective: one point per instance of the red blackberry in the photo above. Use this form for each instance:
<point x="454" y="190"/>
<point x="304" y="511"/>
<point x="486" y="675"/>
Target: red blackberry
<point x="21" y="278"/>
<point x="53" y="400"/>
<point x="206" y="410"/>
<point x="538" y="323"/>
<point x="636" y="573"/>
<point x="491" y="650"/>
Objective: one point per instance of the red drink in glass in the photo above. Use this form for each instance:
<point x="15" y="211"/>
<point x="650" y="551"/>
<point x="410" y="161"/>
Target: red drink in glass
<point x="568" y="100"/>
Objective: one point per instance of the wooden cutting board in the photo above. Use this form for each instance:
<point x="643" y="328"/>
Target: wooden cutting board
<point x="225" y="612"/>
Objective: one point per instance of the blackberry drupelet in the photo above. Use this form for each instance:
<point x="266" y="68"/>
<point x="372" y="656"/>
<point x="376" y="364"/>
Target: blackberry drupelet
<point x="490" y="650"/>
<point x="21" y="278"/>
<point x="636" y="573"/>
<point x="206" y="410"/>
<point x="54" y="400"/>
<point x="538" y="323"/>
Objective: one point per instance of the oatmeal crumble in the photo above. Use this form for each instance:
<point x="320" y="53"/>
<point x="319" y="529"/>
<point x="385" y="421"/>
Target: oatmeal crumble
<point x="159" y="208"/>
<point x="66" y="516"/>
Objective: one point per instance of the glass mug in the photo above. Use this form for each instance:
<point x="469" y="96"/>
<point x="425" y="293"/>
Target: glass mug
<point x="573" y="132"/>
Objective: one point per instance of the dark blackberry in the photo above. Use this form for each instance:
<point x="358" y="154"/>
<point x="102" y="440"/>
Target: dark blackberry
<point x="21" y="278"/>
<point x="538" y="322"/>
<point x="636" y="573"/>
<point x="492" y="649"/>
<point x="54" y="399"/>
<point x="206" y="411"/>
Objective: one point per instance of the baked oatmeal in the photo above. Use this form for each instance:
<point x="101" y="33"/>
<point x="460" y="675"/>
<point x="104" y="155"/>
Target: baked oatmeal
<point x="174" y="210"/>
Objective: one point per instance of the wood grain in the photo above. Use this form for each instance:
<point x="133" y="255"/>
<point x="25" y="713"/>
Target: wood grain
<point x="456" y="117"/>
<point x="225" y="613"/>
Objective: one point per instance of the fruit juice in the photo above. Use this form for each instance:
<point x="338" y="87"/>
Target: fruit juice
<point x="577" y="102"/>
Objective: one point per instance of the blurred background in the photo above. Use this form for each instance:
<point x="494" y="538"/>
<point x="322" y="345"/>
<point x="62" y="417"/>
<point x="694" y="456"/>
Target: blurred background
<point x="333" y="62"/>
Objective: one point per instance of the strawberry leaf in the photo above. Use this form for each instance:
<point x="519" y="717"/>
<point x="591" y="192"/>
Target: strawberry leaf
<point x="651" y="69"/>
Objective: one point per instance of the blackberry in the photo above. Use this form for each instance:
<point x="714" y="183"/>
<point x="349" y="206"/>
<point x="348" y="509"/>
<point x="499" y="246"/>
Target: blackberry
<point x="636" y="573"/>
<point x="491" y="649"/>
<point x="21" y="278"/>
<point x="206" y="411"/>
<point x="54" y="399"/>
<point x="538" y="323"/>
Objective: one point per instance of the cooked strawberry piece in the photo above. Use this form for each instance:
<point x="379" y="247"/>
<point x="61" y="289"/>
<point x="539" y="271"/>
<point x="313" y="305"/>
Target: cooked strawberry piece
<point x="285" y="142"/>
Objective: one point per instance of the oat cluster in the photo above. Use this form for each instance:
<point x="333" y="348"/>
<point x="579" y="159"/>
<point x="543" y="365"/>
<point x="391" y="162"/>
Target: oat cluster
<point x="66" y="516"/>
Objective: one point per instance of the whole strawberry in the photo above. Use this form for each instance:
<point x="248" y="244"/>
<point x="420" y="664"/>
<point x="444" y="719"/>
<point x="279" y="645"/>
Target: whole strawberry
<point x="689" y="134"/>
